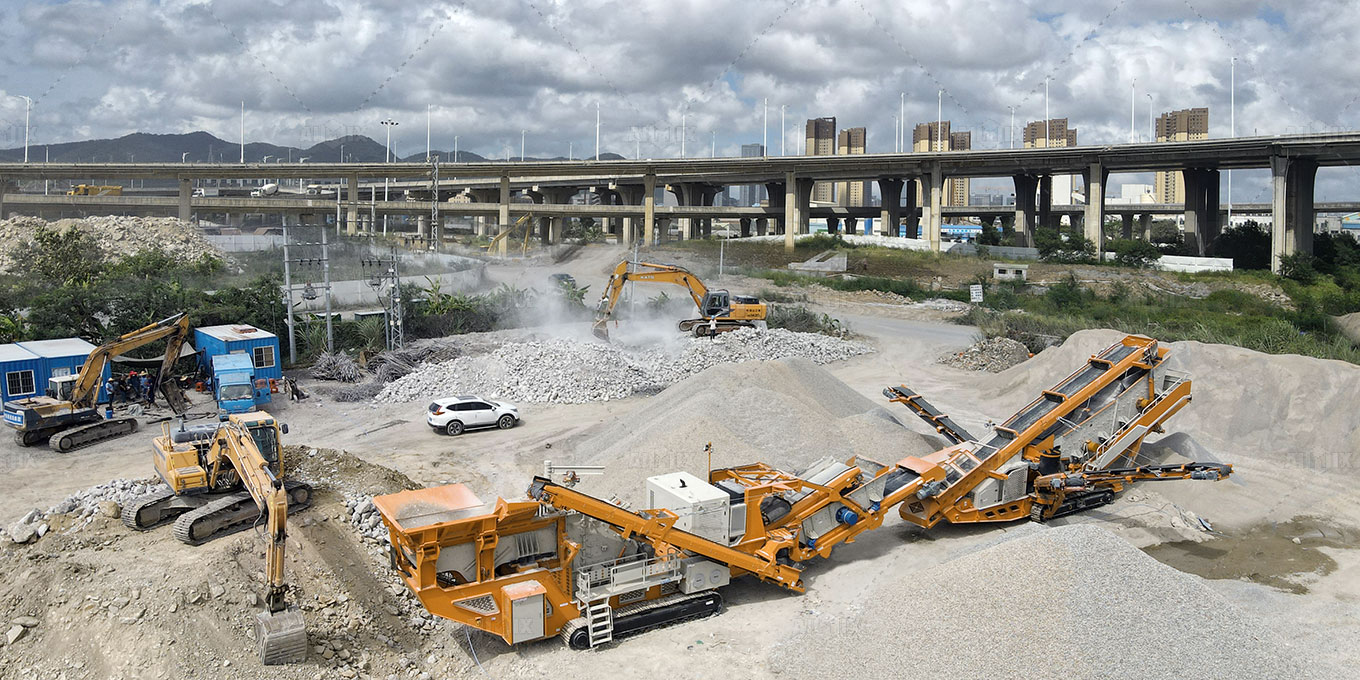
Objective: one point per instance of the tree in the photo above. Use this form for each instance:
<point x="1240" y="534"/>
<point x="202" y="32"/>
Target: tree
<point x="1248" y="244"/>
<point x="62" y="257"/>
<point x="1057" y="247"/>
<point x="1134" y="253"/>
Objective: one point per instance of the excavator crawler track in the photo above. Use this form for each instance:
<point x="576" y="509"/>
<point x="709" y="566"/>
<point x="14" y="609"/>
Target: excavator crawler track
<point x="87" y="435"/>
<point x="644" y="616"/>
<point x="132" y="514"/>
<point x="232" y="512"/>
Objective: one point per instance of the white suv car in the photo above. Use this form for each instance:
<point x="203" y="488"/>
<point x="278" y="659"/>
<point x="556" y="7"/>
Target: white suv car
<point x="452" y="415"/>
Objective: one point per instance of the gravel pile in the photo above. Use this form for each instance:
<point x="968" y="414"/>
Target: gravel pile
<point x="337" y="366"/>
<point x="82" y="507"/>
<point x="365" y="518"/>
<point x="993" y="355"/>
<point x="945" y="305"/>
<point x="1069" y="602"/>
<point x="750" y="412"/>
<point x="115" y="236"/>
<point x="570" y="371"/>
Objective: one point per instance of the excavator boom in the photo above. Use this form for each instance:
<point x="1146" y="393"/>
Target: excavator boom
<point x="718" y="312"/>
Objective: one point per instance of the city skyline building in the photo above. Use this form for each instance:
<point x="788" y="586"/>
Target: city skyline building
<point x="751" y="194"/>
<point x="851" y="141"/>
<point x="821" y="141"/>
<point x="1178" y="126"/>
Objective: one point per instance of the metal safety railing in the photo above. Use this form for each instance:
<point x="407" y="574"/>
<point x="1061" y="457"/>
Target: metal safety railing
<point x="609" y="578"/>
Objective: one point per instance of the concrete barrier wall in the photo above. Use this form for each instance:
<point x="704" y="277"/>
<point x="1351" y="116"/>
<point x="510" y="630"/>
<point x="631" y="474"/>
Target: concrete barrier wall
<point x="1182" y="263"/>
<point x="1003" y="252"/>
<point x="243" y="243"/>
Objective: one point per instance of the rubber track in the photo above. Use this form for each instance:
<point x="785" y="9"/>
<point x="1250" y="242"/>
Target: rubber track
<point x="133" y="509"/>
<point x="642" y="607"/>
<point x="228" y="503"/>
<point x="114" y="427"/>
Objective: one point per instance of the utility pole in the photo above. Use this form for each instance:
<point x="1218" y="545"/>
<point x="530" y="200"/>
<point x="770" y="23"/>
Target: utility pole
<point x="387" y="274"/>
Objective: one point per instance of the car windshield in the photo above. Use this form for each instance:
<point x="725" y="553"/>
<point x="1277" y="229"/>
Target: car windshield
<point x="234" y="392"/>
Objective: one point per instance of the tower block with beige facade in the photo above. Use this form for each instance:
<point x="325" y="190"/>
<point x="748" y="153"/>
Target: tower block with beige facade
<point x="850" y="141"/>
<point x="938" y="137"/>
<point x="1178" y="126"/>
<point x="821" y="141"/>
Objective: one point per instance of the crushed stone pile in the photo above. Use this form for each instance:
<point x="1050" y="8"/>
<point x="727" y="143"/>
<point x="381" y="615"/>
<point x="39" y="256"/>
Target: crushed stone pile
<point x="751" y="412"/>
<point x="1068" y="602"/>
<point x="564" y="371"/>
<point x="115" y="236"/>
<point x="81" y="508"/>
<point x="993" y="355"/>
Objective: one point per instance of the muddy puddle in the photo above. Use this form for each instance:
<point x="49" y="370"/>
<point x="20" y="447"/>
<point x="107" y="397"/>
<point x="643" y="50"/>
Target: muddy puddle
<point x="1278" y="555"/>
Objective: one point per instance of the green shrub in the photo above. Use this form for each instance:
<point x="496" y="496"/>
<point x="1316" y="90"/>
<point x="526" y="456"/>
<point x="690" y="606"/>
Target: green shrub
<point x="1134" y="253"/>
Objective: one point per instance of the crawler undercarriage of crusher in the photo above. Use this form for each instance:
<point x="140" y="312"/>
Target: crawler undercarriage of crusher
<point x="564" y="563"/>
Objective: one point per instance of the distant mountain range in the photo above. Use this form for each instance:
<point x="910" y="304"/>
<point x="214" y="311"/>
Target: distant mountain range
<point x="142" y="147"/>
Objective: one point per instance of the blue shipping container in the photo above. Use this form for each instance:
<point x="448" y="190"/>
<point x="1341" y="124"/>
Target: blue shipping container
<point x="262" y="347"/>
<point x="25" y="367"/>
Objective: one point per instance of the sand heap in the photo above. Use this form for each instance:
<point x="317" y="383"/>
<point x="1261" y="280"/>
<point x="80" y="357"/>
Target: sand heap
<point x="786" y="413"/>
<point x="1274" y="406"/>
<point x="1069" y="602"/>
<point x="114" y="236"/>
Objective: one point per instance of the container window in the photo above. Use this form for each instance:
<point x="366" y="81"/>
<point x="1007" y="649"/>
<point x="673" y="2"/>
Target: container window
<point x="19" y="383"/>
<point x="264" y="357"/>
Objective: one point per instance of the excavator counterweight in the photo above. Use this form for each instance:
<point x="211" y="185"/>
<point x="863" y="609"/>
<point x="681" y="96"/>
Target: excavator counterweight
<point x="561" y="562"/>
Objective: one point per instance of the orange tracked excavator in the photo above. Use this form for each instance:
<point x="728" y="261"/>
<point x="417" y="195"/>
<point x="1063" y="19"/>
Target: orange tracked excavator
<point x="564" y="563"/>
<point x="719" y="311"/>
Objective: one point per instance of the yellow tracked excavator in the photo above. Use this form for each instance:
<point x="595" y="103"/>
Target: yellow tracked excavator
<point x="562" y="563"/>
<point x="68" y="418"/>
<point x="719" y="311"/>
<point x="224" y="478"/>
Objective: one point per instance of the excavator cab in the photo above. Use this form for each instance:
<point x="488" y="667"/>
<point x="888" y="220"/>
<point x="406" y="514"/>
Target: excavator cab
<point x="716" y="303"/>
<point x="62" y="387"/>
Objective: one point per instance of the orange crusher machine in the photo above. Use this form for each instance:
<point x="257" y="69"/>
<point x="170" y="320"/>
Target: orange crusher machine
<point x="560" y="562"/>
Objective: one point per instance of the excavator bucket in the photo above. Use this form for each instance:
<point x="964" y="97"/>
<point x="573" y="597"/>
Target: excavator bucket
<point x="601" y="330"/>
<point x="174" y="396"/>
<point x="281" y="636"/>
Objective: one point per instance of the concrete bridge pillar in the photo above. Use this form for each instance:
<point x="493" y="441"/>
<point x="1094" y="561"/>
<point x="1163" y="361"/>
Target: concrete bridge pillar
<point x="1145" y="226"/>
<point x="1026" y="191"/>
<point x="790" y="210"/>
<point x="1201" y="207"/>
<point x="890" y="211"/>
<point x="423" y="228"/>
<point x="833" y="225"/>
<point x="933" y="185"/>
<point x="186" y="190"/>
<point x="851" y="225"/>
<point x="1126" y="226"/>
<point x="648" y="209"/>
<point x="706" y="194"/>
<point x="762" y="226"/>
<point x="1291" y="207"/>
<point x="804" y="206"/>
<point x="911" y="215"/>
<point x="745" y="227"/>
<point x="775" y="192"/>
<point x="503" y="216"/>
<point x="1094" y="219"/>
<point x="352" y="202"/>
<point x="682" y="198"/>
<point x="1045" y="200"/>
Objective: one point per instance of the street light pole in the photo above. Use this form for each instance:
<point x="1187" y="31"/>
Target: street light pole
<point x="243" y="132"/>
<point x="597" y="131"/>
<point x="1047" y="117"/>
<point x="1012" y="110"/>
<point x="1152" y="136"/>
<point x="521" y="145"/>
<point x="682" y="133"/>
<point x="939" y="120"/>
<point x="28" y="106"/>
<point x="1133" y="97"/>
<point x="455" y="148"/>
<point x="781" y="129"/>
<point x="1232" y="126"/>
<point x="427" y="133"/>
<point x="387" y="153"/>
<point x="713" y="149"/>
<point x="901" y="123"/>
<point x="765" y="129"/>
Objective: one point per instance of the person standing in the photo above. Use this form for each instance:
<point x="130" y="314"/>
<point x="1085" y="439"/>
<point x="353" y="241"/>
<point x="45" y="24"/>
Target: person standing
<point x="151" y="384"/>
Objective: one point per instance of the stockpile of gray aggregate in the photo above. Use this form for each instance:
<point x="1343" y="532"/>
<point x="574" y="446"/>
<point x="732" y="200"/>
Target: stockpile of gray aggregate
<point x="565" y="371"/>
<point x="1069" y="602"/>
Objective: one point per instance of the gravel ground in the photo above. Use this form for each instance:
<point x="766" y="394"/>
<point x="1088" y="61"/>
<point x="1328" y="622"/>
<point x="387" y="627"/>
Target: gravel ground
<point x="993" y="355"/>
<point x="1068" y="602"/>
<point x="563" y="371"/>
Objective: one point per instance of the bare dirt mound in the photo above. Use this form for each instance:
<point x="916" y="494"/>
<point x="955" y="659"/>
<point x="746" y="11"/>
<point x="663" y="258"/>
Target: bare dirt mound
<point x="1074" y="602"/>
<point x="787" y="413"/>
<point x="1244" y="402"/>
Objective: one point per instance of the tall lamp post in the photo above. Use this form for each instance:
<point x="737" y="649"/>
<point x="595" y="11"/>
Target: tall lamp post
<point x="1232" y="125"/>
<point x="28" y="106"/>
<point x="387" y="158"/>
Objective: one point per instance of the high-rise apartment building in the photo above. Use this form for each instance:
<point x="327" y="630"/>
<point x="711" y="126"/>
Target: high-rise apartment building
<point x="751" y="194"/>
<point x="939" y="137"/>
<point x="851" y="141"/>
<point x="821" y="141"/>
<point x="1178" y="126"/>
<point x="1037" y="134"/>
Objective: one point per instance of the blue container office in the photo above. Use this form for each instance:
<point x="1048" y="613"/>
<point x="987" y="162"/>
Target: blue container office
<point x="261" y="346"/>
<point x="25" y="367"/>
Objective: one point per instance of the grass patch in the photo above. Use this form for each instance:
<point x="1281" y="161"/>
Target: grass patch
<point x="903" y="287"/>
<point x="803" y="320"/>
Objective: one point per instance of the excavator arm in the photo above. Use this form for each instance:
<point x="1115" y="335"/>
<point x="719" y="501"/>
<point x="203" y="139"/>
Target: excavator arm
<point x="280" y="631"/>
<point x="87" y="382"/>
<point x="648" y="272"/>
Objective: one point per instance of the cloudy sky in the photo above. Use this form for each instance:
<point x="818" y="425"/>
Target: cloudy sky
<point x="310" y="70"/>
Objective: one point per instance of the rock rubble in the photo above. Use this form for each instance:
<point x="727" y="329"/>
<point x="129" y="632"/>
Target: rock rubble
<point x="993" y="355"/>
<point x="563" y="371"/>
<point x="115" y="236"/>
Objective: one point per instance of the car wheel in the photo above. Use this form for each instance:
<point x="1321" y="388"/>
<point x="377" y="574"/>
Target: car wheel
<point x="454" y="428"/>
<point x="506" y="422"/>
